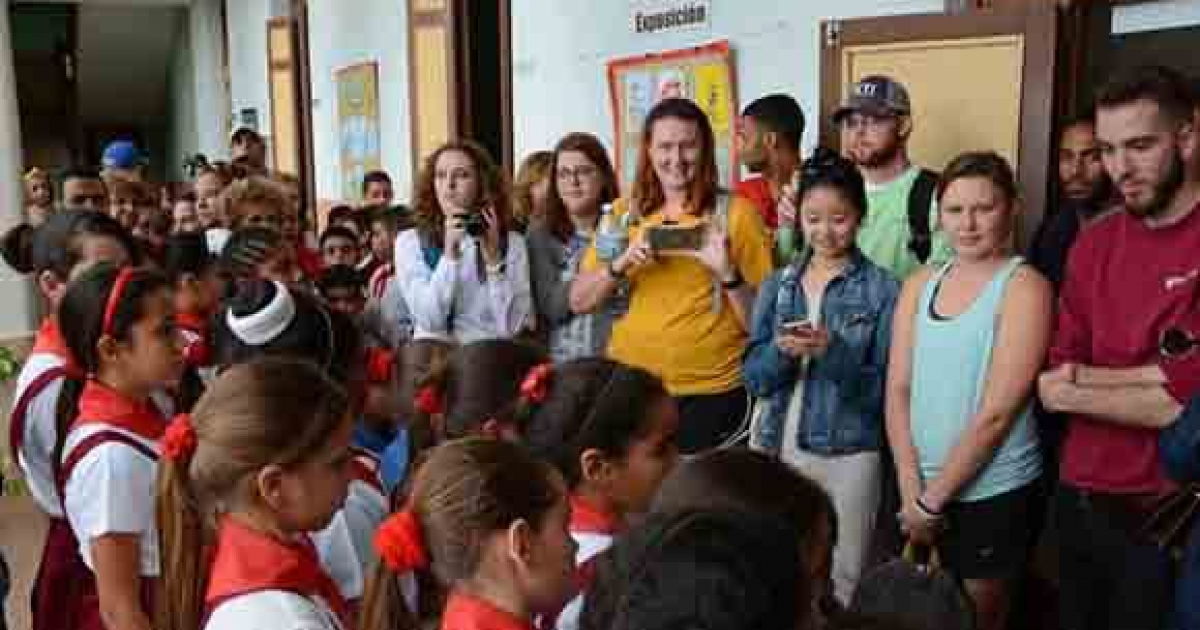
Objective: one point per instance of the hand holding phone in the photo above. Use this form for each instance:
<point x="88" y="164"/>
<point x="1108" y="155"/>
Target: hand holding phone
<point x="798" y="328"/>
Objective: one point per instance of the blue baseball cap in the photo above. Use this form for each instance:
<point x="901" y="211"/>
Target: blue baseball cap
<point x="121" y="154"/>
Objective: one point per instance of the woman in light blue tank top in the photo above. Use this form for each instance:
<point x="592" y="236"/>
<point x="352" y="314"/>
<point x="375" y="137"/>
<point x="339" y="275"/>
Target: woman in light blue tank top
<point x="968" y="341"/>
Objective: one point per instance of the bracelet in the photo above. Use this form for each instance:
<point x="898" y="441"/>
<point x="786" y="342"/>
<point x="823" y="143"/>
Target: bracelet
<point x="927" y="511"/>
<point x="613" y="273"/>
<point x="736" y="283"/>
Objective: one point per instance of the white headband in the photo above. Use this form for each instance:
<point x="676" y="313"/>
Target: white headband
<point x="261" y="328"/>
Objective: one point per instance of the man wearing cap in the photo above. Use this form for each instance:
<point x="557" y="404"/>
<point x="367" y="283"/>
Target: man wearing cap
<point x="248" y="150"/>
<point x="122" y="160"/>
<point x="899" y="233"/>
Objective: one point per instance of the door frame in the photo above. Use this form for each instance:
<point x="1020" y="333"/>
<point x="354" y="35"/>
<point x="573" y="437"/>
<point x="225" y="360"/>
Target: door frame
<point x="1037" y="21"/>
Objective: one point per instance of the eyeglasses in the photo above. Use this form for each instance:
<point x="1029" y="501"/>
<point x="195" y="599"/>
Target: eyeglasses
<point x="1176" y="342"/>
<point x="867" y="121"/>
<point x="579" y="172"/>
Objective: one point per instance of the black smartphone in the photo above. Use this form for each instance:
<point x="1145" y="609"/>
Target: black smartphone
<point x="663" y="238"/>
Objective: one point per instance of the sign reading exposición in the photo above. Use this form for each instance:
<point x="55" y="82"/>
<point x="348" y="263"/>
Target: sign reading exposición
<point x="657" y="16"/>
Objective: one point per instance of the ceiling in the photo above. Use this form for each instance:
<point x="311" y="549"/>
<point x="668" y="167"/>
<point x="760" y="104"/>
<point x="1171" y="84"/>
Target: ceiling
<point x="124" y="56"/>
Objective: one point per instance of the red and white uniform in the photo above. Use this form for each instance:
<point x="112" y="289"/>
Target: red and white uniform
<point x="34" y="415"/>
<point x="346" y="547"/>
<point x="467" y="612"/>
<point x="594" y="531"/>
<point x="258" y="582"/>
<point x="108" y="472"/>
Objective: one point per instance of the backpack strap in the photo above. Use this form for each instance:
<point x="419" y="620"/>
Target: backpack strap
<point x="20" y="412"/>
<point x="721" y="221"/>
<point x="89" y="444"/>
<point x="920" y="199"/>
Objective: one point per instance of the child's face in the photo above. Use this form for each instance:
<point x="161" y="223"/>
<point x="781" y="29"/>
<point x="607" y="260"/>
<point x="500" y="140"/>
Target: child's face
<point x="546" y="563"/>
<point x="346" y="300"/>
<point x="339" y="251"/>
<point x="186" y="221"/>
<point x="152" y="355"/>
<point x="382" y="241"/>
<point x="260" y="215"/>
<point x="314" y="490"/>
<point x="633" y="481"/>
<point x="278" y="266"/>
<point x="198" y="295"/>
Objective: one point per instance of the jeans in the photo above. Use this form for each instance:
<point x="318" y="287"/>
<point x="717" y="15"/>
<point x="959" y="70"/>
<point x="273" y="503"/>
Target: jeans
<point x="1110" y="580"/>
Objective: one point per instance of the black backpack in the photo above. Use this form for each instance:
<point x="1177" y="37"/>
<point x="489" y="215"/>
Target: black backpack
<point x="920" y="196"/>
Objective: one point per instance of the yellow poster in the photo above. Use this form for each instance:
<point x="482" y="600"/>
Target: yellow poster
<point x="712" y="95"/>
<point x="358" y="125"/>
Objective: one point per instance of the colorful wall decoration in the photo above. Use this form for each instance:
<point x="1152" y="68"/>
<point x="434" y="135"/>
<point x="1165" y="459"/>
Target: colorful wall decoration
<point x="358" y="125"/>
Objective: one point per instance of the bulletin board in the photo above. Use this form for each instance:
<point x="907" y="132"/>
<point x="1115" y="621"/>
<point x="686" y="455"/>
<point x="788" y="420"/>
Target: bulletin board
<point x="358" y="125"/>
<point x="704" y="74"/>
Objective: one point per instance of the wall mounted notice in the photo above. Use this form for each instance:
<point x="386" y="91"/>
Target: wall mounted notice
<point x="704" y="74"/>
<point x="658" y="16"/>
<point x="358" y="124"/>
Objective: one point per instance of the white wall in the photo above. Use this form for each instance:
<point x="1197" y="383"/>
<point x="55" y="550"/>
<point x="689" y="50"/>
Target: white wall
<point x="343" y="34"/>
<point x="247" y="27"/>
<point x="182" y="107"/>
<point x="560" y="50"/>
<point x="212" y="97"/>
<point x="1155" y="16"/>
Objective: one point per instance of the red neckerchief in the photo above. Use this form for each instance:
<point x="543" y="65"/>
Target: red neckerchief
<point x="467" y="612"/>
<point x="194" y="322"/>
<point x="100" y="404"/>
<point x="588" y="518"/>
<point x="246" y="561"/>
<point x="49" y="340"/>
<point x="380" y="278"/>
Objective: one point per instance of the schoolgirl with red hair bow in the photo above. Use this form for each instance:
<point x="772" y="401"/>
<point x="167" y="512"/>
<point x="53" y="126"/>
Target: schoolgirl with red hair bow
<point x="263" y="459"/>
<point x="118" y="325"/>
<point x="485" y="532"/>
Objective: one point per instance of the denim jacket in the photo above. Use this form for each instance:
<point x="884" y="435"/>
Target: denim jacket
<point x="844" y="388"/>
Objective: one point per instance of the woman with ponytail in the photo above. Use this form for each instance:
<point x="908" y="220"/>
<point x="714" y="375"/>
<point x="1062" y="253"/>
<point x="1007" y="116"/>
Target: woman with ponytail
<point x="263" y="459"/>
<point x="485" y="532"/>
<point x="67" y="243"/>
<point x="118" y="324"/>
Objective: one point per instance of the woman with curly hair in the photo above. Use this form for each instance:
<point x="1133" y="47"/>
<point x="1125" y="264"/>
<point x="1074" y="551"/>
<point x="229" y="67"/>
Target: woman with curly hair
<point x="463" y="273"/>
<point x="531" y="190"/>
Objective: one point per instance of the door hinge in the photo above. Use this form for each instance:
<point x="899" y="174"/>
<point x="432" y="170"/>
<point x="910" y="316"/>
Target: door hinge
<point x="833" y="29"/>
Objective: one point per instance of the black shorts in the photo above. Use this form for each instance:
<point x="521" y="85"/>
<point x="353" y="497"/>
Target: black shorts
<point x="991" y="538"/>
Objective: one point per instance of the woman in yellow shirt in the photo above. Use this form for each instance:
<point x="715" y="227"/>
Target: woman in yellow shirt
<point x="688" y="310"/>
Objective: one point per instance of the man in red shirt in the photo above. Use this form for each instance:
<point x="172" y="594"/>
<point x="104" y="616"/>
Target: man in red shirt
<point x="1124" y="354"/>
<point x="769" y="144"/>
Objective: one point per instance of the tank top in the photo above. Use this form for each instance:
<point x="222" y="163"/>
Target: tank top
<point x="951" y="358"/>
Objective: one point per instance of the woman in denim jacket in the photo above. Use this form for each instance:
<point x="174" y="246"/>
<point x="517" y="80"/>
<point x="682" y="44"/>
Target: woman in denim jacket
<point x="818" y="352"/>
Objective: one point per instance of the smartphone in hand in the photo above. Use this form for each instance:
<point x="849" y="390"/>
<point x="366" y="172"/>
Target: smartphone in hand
<point x="797" y="328"/>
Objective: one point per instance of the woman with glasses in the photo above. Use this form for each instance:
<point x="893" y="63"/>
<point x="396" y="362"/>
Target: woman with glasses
<point x="582" y="181"/>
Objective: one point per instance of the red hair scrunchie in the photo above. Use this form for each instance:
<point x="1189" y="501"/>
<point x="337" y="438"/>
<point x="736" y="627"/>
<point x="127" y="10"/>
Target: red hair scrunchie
<point x="179" y="442"/>
<point x="380" y="364"/>
<point x="536" y="386"/>
<point x="429" y="401"/>
<point x="400" y="544"/>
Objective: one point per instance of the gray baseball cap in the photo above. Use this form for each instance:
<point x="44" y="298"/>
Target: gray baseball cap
<point x="875" y="94"/>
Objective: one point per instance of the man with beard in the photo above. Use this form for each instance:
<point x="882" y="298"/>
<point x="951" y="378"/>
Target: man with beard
<point x="1125" y="348"/>
<point x="899" y="232"/>
<point x="1085" y="192"/>
<point x="769" y="133"/>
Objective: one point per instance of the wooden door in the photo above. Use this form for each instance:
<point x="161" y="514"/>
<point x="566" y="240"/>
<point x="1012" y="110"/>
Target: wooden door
<point x="977" y="80"/>
<point x="433" y="75"/>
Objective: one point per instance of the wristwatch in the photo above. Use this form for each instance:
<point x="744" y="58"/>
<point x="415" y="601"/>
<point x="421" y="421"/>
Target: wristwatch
<point x="736" y="283"/>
